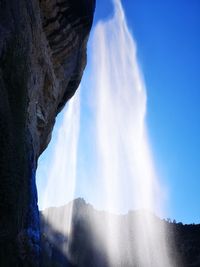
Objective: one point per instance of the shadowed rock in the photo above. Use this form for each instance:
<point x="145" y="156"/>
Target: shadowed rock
<point x="42" y="58"/>
<point x="86" y="247"/>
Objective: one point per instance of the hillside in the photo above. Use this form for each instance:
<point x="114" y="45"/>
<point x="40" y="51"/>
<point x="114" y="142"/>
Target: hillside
<point x="86" y="246"/>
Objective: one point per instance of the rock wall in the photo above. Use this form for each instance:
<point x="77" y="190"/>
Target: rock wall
<point x="86" y="247"/>
<point x="42" y="58"/>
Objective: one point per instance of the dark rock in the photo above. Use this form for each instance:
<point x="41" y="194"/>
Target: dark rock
<point x="85" y="247"/>
<point x="42" y="58"/>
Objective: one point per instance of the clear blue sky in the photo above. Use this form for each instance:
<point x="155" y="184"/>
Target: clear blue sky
<point x="167" y="34"/>
<point x="168" y="40"/>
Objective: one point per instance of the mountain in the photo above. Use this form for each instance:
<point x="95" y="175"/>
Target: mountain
<point x="85" y="246"/>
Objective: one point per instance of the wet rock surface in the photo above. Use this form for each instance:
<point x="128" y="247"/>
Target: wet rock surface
<point x="42" y="59"/>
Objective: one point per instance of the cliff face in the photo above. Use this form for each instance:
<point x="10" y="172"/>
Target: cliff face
<point x="42" y="58"/>
<point x="86" y="247"/>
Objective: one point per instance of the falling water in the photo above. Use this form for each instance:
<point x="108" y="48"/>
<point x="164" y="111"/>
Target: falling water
<point x="124" y="157"/>
<point x="62" y="172"/>
<point x="125" y="165"/>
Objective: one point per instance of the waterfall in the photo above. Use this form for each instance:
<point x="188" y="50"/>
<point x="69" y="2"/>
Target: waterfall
<point x="125" y="167"/>
<point x="62" y="172"/>
<point x="125" y="162"/>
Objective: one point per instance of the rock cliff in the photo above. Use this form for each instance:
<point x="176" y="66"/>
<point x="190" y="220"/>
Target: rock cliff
<point x="86" y="247"/>
<point x="42" y="58"/>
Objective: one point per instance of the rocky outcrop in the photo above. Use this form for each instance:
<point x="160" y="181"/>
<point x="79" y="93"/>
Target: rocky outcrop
<point x="88" y="247"/>
<point x="42" y="58"/>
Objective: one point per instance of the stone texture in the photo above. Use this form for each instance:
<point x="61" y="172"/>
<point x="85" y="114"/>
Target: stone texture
<point x="42" y="58"/>
<point x="86" y="247"/>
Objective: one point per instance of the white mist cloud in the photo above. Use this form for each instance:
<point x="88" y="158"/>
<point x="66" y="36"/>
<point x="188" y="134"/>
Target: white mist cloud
<point x="62" y="171"/>
<point x="125" y="160"/>
<point x="126" y="171"/>
<point x="61" y="175"/>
